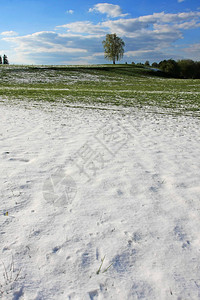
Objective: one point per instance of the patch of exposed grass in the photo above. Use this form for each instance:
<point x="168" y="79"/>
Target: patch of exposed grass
<point x="119" y="85"/>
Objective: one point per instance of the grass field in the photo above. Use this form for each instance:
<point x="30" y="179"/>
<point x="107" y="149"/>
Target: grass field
<point x="119" y="85"/>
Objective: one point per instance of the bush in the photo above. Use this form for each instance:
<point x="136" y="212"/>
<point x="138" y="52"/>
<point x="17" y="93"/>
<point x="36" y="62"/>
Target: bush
<point x="189" y="68"/>
<point x="170" y="66"/>
<point x="154" y="65"/>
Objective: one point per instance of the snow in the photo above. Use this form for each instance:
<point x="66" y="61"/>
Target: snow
<point x="28" y="76"/>
<point x="103" y="91"/>
<point x="84" y="186"/>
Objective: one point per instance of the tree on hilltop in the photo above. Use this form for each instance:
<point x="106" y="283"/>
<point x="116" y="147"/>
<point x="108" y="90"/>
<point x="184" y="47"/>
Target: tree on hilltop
<point x="0" y="60"/>
<point x="113" y="47"/>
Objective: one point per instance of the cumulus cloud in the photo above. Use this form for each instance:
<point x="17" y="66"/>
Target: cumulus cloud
<point x="9" y="33"/>
<point x="125" y="26"/>
<point x="168" y="18"/>
<point x="110" y="10"/>
<point x="44" y="42"/>
<point x="188" y="25"/>
<point x="160" y="22"/>
<point x="83" y="27"/>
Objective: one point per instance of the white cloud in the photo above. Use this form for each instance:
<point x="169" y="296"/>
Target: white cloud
<point x="194" y="47"/>
<point x="153" y="55"/>
<point x="193" y="51"/>
<point x="144" y="53"/>
<point x="168" y="18"/>
<point x="179" y="1"/>
<point x="137" y="53"/>
<point x="70" y="11"/>
<point x="159" y="28"/>
<point x="101" y="54"/>
<point x="9" y="33"/>
<point x="124" y="26"/>
<point x="110" y="10"/>
<point x="188" y="25"/>
<point x="84" y="27"/>
<point x="44" y="42"/>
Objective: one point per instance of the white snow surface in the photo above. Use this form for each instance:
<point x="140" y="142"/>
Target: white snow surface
<point x="83" y="186"/>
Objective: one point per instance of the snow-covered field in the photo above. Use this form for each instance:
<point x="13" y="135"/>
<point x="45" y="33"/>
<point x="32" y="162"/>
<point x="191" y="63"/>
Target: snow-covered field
<point x="98" y="203"/>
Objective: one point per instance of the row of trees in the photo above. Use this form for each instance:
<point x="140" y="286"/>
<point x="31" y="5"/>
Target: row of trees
<point x="185" y="68"/>
<point x="4" y="60"/>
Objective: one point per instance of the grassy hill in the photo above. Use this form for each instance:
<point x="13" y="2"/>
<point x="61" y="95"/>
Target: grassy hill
<point x="118" y="85"/>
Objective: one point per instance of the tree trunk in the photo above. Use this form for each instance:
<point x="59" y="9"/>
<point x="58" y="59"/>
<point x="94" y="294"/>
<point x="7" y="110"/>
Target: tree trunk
<point x="113" y="62"/>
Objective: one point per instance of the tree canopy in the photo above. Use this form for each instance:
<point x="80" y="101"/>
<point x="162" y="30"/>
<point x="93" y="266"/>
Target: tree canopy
<point x="5" y="60"/>
<point x="113" y="47"/>
<point x="185" y="68"/>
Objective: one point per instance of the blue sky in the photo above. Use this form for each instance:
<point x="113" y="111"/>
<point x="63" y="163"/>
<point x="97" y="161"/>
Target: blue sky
<point x="71" y="32"/>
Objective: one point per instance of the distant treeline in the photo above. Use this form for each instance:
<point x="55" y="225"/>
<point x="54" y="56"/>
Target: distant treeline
<point x="185" y="68"/>
<point x="4" y="61"/>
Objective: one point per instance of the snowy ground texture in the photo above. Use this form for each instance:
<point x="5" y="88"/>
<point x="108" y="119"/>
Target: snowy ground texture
<point x="98" y="204"/>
